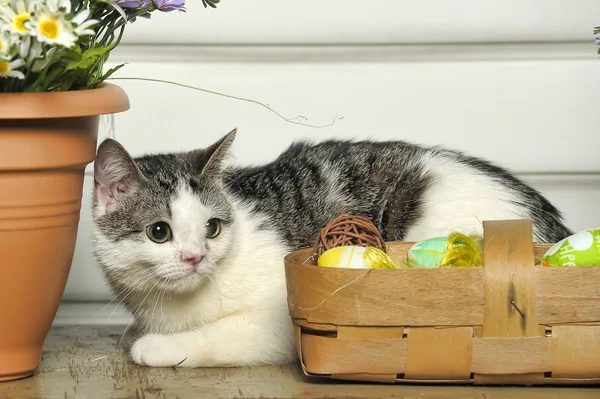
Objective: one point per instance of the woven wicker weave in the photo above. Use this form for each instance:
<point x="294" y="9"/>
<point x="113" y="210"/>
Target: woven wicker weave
<point x="348" y="230"/>
<point x="510" y="322"/>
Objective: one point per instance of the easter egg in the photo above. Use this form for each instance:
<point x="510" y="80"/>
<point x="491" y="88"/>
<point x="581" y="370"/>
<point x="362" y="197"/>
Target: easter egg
<point x="456" y="250"/>
<point x="427" y="254"/>
<point x="580" y="249"/>
<point x="349" y="257"/>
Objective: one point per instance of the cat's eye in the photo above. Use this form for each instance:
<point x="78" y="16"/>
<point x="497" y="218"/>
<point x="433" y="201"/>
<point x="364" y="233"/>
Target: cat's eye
<point x="159" y="232"/>
<point x="213" y="228"/>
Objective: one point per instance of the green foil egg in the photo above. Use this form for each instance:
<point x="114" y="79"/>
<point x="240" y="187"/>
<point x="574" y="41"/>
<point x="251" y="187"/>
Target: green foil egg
<point x="580" y="249"/>
<point x="427" y="254"/>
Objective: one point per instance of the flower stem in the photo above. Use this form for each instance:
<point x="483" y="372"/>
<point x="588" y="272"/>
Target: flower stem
<point x="289" y="120"/>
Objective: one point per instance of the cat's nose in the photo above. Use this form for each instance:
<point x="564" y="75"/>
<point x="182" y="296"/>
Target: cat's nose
<point x="191" y="259"/>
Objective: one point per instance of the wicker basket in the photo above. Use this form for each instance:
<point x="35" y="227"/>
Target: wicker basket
<point x="510" y="322"/>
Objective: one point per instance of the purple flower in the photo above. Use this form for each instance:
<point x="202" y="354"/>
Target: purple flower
<point x="134" y="3"/>
<point x="170" y="5"/>
<point x="598" y="38"/>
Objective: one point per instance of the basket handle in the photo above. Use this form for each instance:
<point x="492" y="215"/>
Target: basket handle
<point x="509" y="289"/>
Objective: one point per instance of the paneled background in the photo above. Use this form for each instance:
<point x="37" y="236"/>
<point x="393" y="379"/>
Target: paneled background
<point x="516" y="82"/>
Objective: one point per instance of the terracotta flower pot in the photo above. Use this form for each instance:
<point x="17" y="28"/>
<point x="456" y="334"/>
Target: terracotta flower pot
<point x="46" y="141"/>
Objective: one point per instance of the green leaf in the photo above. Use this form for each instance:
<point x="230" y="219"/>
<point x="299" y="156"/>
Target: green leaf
<point x="55" y="71"/>
<point x="68" y="80"/>
<point x="114" y="5"/>
<point x="72" y="55"/>
<point x="110" y="72"/>
<point x="88" y="58"/>
<point x="210" y="3"/>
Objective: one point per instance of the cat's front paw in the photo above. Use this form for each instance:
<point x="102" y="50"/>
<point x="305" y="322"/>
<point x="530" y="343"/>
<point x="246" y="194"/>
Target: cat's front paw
<point x="158" y="351"/>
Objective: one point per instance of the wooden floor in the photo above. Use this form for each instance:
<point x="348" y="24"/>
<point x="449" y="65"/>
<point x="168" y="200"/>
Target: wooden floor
<point x="85" y="362"/>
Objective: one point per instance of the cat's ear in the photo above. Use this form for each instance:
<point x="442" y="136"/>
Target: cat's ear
<point x="115" y="174"/>
<point x="209" y="161"/>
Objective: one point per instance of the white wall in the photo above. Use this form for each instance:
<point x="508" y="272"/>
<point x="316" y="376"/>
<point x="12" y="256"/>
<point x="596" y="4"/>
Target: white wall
<point x="516" y="82"/>
<point x="372" y="22"/>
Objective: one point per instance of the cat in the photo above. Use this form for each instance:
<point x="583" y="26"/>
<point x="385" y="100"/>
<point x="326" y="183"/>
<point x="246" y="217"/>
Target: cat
<point x="194" y="247"/>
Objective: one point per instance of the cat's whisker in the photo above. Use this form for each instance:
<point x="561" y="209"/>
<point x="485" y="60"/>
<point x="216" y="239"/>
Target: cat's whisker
<point x="125" y="332"/>
<point x="107" y="305"/>
<point x="161" y="305"/>
<point x="142" y="302"/>
<point x="218" y="290"/>
<point x="161" y="289"/>
<point x="133" y="289"/>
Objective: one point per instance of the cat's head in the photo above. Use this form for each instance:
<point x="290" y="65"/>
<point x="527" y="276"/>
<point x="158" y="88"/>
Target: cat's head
<point x="161" y="221"/>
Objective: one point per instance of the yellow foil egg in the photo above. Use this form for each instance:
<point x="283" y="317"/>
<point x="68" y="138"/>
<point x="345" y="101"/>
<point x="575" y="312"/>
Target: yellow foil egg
<point x="348" y="257"/>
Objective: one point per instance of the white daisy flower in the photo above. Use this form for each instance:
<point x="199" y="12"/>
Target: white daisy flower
<point x="6" y="43"/>
<point x="56" y="6"/>
<point x="52" y="28"/>
<point x="82" y="24"/>
<point x="24" y="46"/>
<point x="16" y="14"/>
<point x="42" y="62"/>
<point x="7" y="69"/>
<point x="36" y="51"/>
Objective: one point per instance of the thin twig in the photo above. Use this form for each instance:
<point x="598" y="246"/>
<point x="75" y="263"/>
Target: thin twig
<point x="336" y="291"/>
<point x="179" y="364"/>
<point x="216" y="93"/>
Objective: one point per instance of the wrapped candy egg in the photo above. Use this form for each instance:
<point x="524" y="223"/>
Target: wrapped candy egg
<point x="580" y="249"/>
<point x="456" y="250"/>
<point x="349" y="257"/>
<point x="356" y="257"/>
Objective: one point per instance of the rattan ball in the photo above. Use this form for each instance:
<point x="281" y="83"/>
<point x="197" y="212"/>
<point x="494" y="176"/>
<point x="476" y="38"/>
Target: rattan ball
<point x="346" y="230"/>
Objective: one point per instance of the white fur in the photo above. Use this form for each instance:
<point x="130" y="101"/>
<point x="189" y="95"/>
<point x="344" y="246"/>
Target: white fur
<point x="460" y="199"/>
